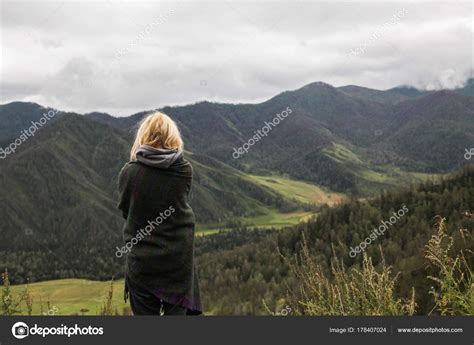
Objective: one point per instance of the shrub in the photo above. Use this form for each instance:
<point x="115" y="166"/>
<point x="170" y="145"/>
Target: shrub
<point x="10" y="305"/>
<point x="454" y="291"/>
<point x="358" y="291"/>
<point x="107" y="308"/>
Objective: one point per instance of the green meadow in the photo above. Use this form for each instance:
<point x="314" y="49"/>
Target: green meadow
<point x="72" y="297"/>
<point x="302" y="192"/>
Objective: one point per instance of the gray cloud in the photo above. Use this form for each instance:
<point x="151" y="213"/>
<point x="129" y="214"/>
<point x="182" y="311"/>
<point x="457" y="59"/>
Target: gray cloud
<point x="126" y="56"/>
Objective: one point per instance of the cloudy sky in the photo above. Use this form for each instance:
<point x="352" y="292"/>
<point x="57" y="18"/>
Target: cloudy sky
<point x="126" y="56"/>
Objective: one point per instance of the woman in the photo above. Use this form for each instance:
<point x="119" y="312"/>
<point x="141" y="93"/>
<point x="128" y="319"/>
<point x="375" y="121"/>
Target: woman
<point x="154" y="192"/>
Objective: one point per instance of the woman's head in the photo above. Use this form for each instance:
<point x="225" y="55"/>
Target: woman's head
<point x="157" y="130"/>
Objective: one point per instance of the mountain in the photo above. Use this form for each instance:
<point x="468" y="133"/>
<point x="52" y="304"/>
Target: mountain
<point x="376" y="126"/>
<point x="17" y="116"/>
<point x="320" y="116"/>
<point x="58" y="204"/>
<point x="116" y="122"/>
<point x="350" y="139"/>
<point x="432" y="131"/>
<point x="78" y="156"/>
<point x="59" y="196"/>
<point x="391" y="96"/>
<point x="467" y="89"/>
<point x="409" y="92"/>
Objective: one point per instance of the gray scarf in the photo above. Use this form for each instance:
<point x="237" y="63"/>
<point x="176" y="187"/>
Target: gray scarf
<point x="158" y="158"/>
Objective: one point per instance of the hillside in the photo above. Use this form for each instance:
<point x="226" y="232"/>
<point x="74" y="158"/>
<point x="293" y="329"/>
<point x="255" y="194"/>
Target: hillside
<point x="391" y="96"/>
<point x="235" y="280"/>
<point x="17" y="116"/>
<point x="66" y="178"/>
<point x="240" y="268"/>
<point x="393" y="133"/>
<point x="432" y="132"/>
<point x="467" y="89"/>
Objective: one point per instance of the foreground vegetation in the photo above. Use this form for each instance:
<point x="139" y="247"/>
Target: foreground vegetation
<point x="70" y="297"/>
<point x="355" y="291"/>
<point x="368" y="291"/>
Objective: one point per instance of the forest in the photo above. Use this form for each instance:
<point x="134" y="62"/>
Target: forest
<point x="237" y="278"/>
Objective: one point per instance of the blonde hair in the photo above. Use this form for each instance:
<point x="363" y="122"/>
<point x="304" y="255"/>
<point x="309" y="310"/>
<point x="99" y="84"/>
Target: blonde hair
<point x="157" y="130"/>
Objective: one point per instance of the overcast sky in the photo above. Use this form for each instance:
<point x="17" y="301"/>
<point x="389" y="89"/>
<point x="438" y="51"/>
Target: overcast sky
<point x="126" y="56"/>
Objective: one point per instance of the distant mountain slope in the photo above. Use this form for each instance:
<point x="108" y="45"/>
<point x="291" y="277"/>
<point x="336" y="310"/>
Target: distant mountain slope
<point x="432" y="131"/>
<point x="397" y="128"/>
<point x="409" y="92"/>
<point x="116" y="122"/>
<point x="80" y="157"/>
<point x="320" y="116"/>
<point x="59" y="198"/>
<point x="17" y="116"/>
<point x="386" y="130"/>
<point x="58" y="205"/>
<point x="467" y="89"/>
<point x="391" y="96"/>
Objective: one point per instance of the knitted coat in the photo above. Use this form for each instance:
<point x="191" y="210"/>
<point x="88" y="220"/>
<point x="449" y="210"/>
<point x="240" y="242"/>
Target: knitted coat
<point x="159" y="231"/>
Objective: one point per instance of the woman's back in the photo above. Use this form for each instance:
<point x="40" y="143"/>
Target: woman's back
<point x="159" y="226"/>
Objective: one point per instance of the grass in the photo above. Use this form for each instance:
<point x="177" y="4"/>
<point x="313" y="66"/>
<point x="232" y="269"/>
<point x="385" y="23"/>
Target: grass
<point x="342" y="154"/>
<point x="354" y="291"/>
<point x="367" y="290"/>
<point x="70" y="296"/>
<point x="373" y="177"/>
<point x="273" y="219"/>
<point x="203" y="231"/>
<point x="302" y="192"/>
<point x="280" y="220"/>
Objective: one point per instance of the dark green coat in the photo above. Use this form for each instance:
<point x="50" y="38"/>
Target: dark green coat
<point x="159" y="231"/>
